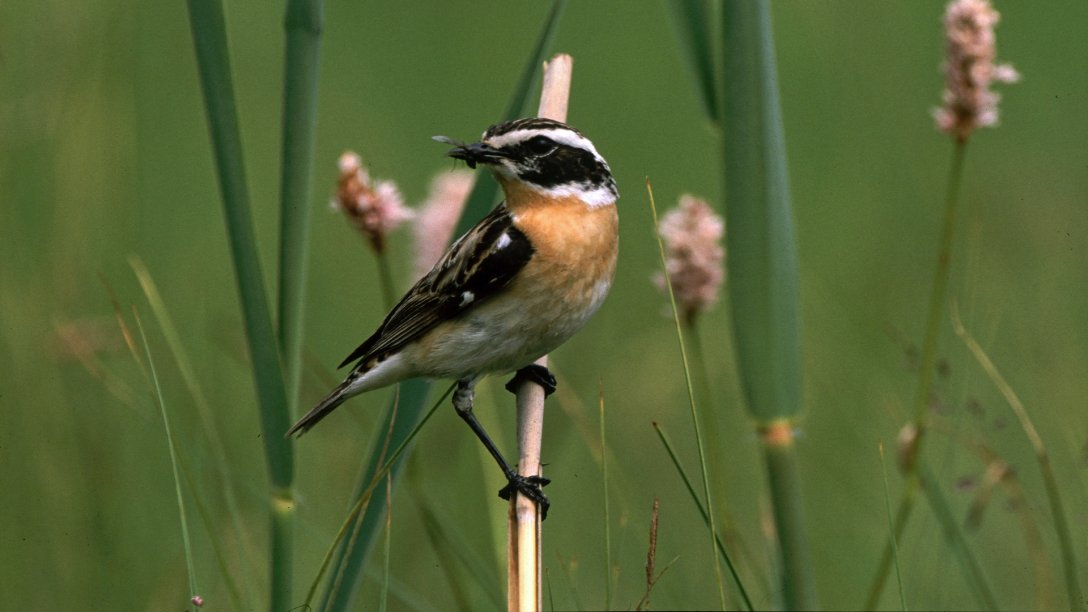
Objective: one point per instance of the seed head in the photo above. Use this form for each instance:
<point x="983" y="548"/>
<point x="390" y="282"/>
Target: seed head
<point x="374" y="207"/>
<point x="969" y="69"/>
<point x="694" y="257"/>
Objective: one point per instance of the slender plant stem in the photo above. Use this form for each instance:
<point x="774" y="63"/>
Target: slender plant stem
<point x="785" y="480"/>
<point x="926" y="365"/>
<point x="937" y="296"/>
<point x="715" y="446"/>
<point x="303" y="23"/>
<point x="691" y="400"/>
<point x="213" y="63"/>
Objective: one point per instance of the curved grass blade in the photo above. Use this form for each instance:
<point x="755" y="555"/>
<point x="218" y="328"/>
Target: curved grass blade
<point x="193" y="592"/>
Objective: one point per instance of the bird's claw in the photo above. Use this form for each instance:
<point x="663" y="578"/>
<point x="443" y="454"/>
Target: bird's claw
<point x="533" y="373"/>
<point x="531" y="487"/>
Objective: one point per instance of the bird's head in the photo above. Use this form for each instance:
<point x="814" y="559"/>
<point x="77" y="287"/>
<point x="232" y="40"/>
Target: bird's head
<point x="544" y="155"/>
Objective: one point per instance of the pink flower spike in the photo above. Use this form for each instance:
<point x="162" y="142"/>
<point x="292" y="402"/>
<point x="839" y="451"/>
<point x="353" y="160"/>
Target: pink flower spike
<point x="694" y="256"/>
<point x="970" y="45"/>
<point x="374" y="207"/>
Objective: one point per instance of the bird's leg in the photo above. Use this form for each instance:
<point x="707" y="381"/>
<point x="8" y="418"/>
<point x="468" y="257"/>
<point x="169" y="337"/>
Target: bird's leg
<point x="529" y="486"/>
<point x="533" y="373"/>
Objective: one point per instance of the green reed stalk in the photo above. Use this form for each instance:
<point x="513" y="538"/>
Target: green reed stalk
<point x="303" y="23"/>
<point x="213" y="63"/>
<point x="763" y="274"/>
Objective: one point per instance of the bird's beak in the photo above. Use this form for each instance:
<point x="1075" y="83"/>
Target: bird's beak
<point x="476" y="153"/>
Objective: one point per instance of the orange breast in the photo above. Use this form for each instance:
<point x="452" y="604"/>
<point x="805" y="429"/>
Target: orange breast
<point x="575" y="259"/>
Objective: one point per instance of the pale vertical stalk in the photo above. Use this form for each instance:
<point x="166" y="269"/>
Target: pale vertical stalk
<point x="554" y="95"/>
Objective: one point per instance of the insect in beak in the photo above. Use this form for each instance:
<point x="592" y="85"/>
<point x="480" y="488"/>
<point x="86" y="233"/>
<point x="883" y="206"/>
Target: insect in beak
<point x="471" y="154"/>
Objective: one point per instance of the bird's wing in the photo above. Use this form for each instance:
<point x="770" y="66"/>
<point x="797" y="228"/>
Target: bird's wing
<point x="476" y="267"/>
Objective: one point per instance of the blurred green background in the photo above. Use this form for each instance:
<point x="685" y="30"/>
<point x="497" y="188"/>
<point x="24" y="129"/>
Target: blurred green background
<point x="104" y="155"/>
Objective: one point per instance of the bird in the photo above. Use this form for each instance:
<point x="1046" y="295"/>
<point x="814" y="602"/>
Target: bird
<point x="516" y="286"/>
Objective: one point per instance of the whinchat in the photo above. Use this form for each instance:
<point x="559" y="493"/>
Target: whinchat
<point x="513" y="288"/>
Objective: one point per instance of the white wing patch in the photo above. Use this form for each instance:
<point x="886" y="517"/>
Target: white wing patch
<point x="467" y="296"/>
<point x="504" y="241"/>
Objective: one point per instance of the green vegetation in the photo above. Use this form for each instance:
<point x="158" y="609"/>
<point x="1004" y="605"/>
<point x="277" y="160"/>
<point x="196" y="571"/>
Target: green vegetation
<point x="110" y="197"/>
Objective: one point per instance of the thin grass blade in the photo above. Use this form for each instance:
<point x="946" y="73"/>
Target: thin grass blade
<point x="661" y="435"/>
<point x="157" y="389"/>
<point x="703" y="467"/>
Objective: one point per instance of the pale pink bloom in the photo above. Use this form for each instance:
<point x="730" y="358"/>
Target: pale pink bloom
<point x="374" y="207"/>
<point x="694" y="257"/>
<point x="437" y="217"/>
<point x="969" y="69"/>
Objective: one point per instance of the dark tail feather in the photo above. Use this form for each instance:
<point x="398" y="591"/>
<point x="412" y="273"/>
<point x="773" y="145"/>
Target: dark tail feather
<point x="320" y="411"/>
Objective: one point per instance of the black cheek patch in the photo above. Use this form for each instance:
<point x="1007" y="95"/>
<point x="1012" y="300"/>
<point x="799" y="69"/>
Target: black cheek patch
<point x="566" y="165"/>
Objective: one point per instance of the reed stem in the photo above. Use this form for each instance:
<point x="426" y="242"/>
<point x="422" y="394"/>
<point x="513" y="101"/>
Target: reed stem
<point x="213" y="63"/>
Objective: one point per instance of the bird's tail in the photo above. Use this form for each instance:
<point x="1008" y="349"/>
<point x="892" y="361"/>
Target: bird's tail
<point x="335" y="397"/>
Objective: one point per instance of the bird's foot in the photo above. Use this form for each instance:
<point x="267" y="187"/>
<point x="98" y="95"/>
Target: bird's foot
<point x="533" y="373"/>
<point x="531" y="487"/>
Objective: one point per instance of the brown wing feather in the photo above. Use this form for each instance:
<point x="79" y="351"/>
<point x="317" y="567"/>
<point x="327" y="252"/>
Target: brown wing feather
<point x="481" y="262"/>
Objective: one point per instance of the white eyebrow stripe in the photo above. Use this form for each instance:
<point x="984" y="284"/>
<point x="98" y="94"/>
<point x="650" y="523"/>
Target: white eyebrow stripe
<point x="566" y="137"/>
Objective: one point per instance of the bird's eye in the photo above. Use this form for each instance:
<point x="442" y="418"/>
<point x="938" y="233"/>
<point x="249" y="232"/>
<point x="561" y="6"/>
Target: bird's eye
<point x="540" y="145"/>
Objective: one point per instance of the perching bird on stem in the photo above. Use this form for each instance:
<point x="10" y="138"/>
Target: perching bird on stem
<point x="513" y="288"/>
